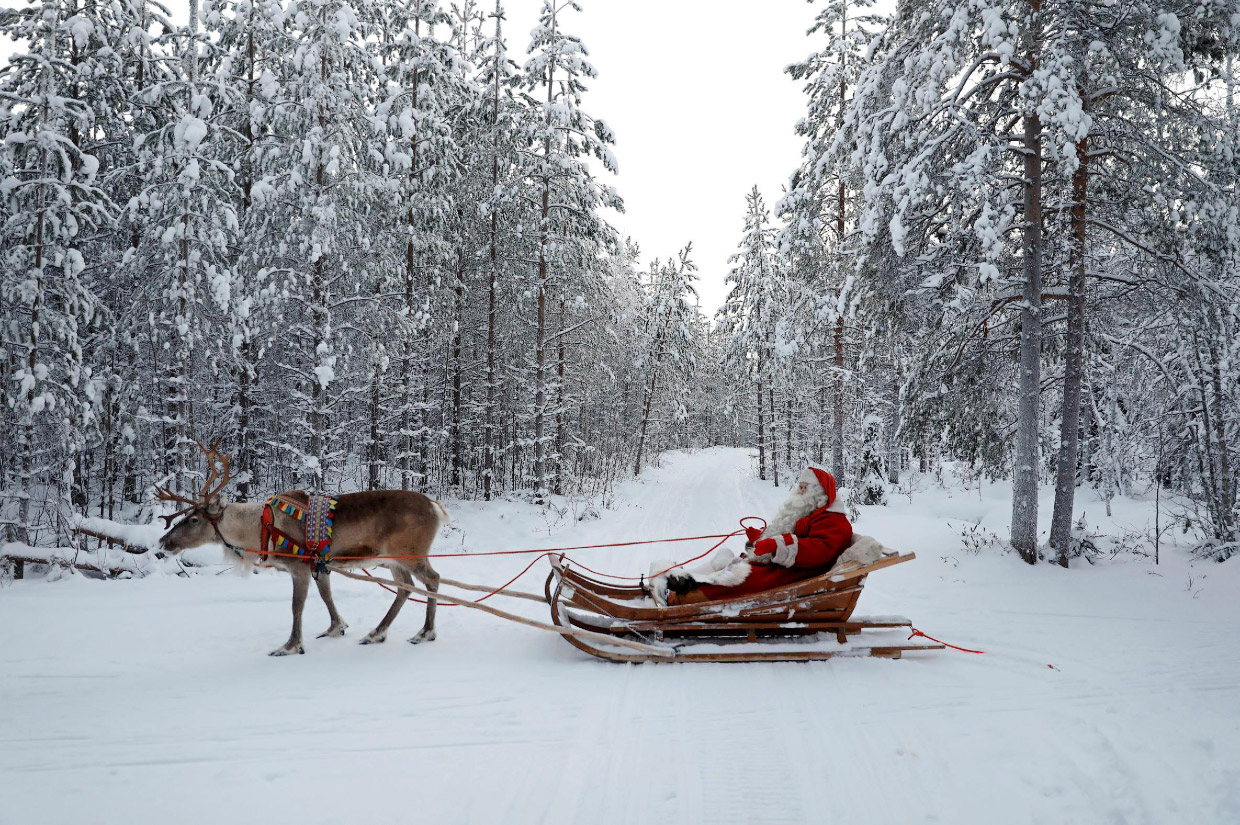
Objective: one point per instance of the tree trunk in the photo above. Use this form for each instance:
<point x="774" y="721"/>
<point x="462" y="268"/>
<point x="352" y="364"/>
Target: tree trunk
<point x="245" y="403"/>
<point x="1025" y="471"/>
<point x="411" y="269"/>
<point x="788" y="431"/>
<point x="374" y="463"/>
<point x="246" y="369"/>
<point x="488" y="441"/>
<point x="1216" y="410"/>
<point x="457" y="367"/>
<point x="540" y="357"/>
<point x="770" y="397"/>
<point x="761" y="433"/>
<point x="837" y="440"/>
<point x="649" y="402"/>
<point x="837" y="420"/>
<point x="374" y="449"/>
<point x="540" y="344"/>
<point x="26" y="444"/>
<point x="318" y="416"/>
<point x="837" y="446"/>
<point x="318" y="301"/>
<point x="893" y="443"/>
<point x="488" y="446"/>
<point x="560" y="439"/>
<point x="822" y="419"/>
<point x="1074" y="358"/>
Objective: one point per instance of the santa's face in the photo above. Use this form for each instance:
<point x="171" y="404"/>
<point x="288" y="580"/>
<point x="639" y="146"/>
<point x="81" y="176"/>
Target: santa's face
<point x="804" y="498"/>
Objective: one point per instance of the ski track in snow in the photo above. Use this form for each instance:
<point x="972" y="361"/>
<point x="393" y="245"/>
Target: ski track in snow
<point x="153" y="700"/>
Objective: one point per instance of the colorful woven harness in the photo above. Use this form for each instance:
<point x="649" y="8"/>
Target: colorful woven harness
<point x="316" y="516"/>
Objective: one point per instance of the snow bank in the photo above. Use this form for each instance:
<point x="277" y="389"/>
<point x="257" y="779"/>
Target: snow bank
<point x="139" y="535"/>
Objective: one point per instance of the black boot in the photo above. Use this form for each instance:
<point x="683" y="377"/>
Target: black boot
<point x="680" y="583"/>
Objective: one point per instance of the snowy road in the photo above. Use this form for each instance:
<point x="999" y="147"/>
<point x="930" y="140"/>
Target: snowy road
<point x="152" y="700"/>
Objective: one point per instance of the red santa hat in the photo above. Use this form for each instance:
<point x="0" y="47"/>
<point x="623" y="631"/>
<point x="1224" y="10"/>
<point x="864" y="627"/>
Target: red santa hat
<point x="821" y="478"/>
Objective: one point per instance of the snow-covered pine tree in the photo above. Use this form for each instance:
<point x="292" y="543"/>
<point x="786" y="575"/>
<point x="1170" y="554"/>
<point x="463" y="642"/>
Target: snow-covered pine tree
<point x="50" y="199"/>
<point x="424" y="82"/>
<point x="820" y="199"/>
<point x="946" y="131"/>
<point x="560" y="138"/>
<point x="871" y="472"/>
<point x="186" y="211"/>
<point x="1119" y="114"/>
<point x="670" y="309"/>
<point x="246" y="62"/>
<point x="500" y="124"/>
<point x="102" y="80"/>
<point x="321" y="191"/>
<point x="750" y="312"/>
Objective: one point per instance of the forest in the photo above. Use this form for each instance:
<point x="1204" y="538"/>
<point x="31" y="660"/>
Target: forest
<point x="367" y="245"/>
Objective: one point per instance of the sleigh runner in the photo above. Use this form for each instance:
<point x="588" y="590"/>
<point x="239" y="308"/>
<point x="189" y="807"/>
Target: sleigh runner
<point x="808" y="620"/>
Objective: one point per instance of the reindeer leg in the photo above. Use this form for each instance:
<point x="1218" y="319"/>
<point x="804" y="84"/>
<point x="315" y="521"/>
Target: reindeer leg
<point x="301" y="586"/>
<point x="323" y="580"/>
<point x="429" y="578"/>
<point x="379" y="634"/>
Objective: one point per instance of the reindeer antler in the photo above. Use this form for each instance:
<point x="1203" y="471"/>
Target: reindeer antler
<point x="212" y="453"/>
<point x="207" y="493"/>
<point x="164" y="494"/>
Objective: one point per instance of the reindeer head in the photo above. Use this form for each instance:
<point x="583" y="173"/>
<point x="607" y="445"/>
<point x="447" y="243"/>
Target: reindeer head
<point x="202" y="513"/>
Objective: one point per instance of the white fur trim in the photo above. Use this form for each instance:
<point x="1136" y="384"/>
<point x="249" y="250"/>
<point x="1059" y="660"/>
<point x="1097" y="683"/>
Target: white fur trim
<point x="795" y="508"/>
<point x="718" y="560"/>
<point x="730" y="576"/>
<point x="786" y="550"/>
<point x="723" y="568"/>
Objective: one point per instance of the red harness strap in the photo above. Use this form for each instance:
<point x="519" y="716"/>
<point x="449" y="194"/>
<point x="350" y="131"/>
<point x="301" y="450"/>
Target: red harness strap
<point x="269" y="533"/>
<point x="312" y="551"/>
<point x="264" y="537"/>
<point x="917" y="632"/>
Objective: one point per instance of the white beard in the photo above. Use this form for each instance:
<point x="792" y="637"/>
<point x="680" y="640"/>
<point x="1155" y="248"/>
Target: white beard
<point x="797" y="507"/>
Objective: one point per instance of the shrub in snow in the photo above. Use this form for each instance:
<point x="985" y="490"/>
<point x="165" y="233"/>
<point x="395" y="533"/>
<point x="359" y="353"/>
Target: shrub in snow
<point x="872" y="483"/>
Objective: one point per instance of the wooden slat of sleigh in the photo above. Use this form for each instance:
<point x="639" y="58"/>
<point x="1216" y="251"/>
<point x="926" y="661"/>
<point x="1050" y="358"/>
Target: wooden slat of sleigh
<point x="786" y="601"/>
<point x="827" y="585"/>
<point x="818" y="622"/>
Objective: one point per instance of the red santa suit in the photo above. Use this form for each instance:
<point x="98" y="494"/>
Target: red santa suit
<point x="816" y="540"/>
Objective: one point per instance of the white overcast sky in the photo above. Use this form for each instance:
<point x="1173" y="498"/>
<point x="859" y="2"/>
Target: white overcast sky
<point x="701" y="107"/>
<point x="702" y="110"/>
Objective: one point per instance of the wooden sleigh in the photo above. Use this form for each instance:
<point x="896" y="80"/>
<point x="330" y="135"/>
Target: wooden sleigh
<point x="809" y="620"/>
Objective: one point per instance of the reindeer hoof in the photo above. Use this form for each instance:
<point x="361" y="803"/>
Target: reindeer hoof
<point x="333" y="632"/>
<point x="374" y="639"/>
<point x="284" y="651"/>
<point x="424" y="636"/>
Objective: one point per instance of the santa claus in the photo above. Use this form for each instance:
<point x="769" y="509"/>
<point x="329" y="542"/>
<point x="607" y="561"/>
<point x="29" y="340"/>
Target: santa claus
<point x="804" y="539"/>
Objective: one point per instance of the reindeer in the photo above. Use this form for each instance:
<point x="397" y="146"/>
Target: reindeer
<point x="367" y="525"/>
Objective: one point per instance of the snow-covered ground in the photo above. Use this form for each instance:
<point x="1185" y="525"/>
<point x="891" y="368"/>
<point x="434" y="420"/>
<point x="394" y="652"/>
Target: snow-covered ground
<point x="1107" y="693"/>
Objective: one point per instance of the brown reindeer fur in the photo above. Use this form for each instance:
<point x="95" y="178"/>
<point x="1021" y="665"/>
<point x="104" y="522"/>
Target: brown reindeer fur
<point x="367" y="524"/>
